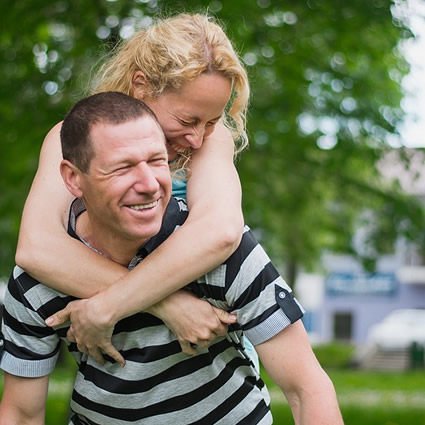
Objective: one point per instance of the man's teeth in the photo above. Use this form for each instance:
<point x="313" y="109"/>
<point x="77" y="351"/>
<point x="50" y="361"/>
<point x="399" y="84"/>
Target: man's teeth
<point x="144" y="206"/>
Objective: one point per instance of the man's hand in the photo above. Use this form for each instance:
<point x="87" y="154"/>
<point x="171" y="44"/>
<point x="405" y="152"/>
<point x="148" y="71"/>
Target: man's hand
<point x="195" y="322"/>
<point x="90" y="328"/>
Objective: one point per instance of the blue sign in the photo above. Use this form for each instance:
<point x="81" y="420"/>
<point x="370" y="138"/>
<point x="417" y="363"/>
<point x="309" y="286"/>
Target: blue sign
<point x="361" y="284"/>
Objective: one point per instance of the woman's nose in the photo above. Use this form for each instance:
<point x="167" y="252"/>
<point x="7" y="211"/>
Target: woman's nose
<point x="196" y="137"/>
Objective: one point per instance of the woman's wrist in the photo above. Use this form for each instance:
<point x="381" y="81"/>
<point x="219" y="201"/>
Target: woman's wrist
<point x="103" y="310"/>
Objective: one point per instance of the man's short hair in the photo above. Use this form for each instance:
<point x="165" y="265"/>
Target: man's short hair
<point x="107" y="107"/>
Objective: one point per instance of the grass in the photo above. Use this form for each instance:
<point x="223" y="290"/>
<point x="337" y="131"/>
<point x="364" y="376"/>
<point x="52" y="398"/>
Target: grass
<point x="368" y="398"/>
<point x="365" y="397"/>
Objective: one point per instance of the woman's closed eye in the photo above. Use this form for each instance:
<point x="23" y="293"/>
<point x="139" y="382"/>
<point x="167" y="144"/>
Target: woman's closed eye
<point x="211" y="123"/>
<point x="187" y="123"/>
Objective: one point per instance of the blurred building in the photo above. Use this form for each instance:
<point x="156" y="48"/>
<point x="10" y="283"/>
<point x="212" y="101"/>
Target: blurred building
<point x="345" y="302"/>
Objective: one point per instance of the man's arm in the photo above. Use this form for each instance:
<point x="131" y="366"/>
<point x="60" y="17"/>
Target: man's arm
<point x="24" y="400"/>
<point x="291" y="363"/>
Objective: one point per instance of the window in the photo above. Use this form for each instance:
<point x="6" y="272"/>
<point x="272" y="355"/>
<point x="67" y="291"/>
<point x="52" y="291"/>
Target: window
<point x="342" y="326"/>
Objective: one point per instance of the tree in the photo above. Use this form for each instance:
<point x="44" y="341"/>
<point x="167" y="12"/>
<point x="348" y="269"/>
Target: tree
<point x="326" y="92"/>
<point x="326" y="99"/>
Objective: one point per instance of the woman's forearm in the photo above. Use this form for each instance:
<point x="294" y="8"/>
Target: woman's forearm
<point x="174" y="264"/>
<point x="69" y="267"/>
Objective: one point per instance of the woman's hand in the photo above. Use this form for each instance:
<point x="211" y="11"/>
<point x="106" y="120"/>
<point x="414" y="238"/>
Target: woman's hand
<point x="195" y="322"/>
<point x="91" y="328"/>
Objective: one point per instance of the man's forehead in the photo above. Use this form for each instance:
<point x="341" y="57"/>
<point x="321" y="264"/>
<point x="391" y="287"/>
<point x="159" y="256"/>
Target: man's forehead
<point x="144" y="129"/>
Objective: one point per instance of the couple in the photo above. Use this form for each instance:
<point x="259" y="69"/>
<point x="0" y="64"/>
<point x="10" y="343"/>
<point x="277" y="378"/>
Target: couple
<point x="116" y="165"/>
<point x="160" y="383"/>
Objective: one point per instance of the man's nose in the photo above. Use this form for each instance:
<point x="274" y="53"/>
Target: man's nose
<point x="146" y="181"/>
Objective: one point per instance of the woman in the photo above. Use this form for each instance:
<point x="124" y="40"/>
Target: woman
<point x="186" y="70"/>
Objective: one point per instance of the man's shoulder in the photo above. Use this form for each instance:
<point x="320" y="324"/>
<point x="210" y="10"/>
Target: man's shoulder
<point x="34" y="294"/>
<point x="22" y="280"/>
<point x="249" y="257"/>
<point x="177" y="207"/>
<point x="175" y="215"/>
<point x="247" y="246"/>
<point x="181" y="203"/>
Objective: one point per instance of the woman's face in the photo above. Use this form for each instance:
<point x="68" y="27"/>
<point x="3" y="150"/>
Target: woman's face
<point x="190" y="115"/>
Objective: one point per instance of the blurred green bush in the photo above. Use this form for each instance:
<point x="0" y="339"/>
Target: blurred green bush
<point x="334" y="355"/>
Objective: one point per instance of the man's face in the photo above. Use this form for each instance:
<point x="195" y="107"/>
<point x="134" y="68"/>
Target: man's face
<point x="128" y="185"/>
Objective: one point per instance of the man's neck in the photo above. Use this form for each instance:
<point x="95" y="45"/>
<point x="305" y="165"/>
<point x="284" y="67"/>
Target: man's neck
<point x="105" y="243"/>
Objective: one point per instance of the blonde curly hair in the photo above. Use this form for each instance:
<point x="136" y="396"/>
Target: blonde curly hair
<point x="174" y="51"/>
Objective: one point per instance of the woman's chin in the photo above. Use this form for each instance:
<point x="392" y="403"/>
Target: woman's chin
<point x="175" y="150"/>
<point x="172" y="154"/>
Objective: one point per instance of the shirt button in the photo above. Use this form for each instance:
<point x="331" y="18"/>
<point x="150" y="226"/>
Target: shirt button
<point x="1" y="343"/>
<point x="282" y="295"/>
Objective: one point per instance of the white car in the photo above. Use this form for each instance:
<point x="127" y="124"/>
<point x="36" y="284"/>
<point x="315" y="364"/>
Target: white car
<point x="399" y="330"/>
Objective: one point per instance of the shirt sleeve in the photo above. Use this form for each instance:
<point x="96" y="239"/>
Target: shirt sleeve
<point x="29" y="348"/>
<point x="256" y="292"/>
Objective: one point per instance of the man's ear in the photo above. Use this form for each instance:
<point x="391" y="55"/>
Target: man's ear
<point x="71" y="176"/>
<point x="140" y="86"/>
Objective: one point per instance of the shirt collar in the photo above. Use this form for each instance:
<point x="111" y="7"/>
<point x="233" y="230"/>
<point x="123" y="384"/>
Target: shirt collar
<point x="169" y="223"/>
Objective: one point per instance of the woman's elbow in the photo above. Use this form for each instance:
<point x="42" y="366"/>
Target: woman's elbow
<point x="227" y="239"/>
<point x="25" y="253"/>
<point x="22" y="256"/>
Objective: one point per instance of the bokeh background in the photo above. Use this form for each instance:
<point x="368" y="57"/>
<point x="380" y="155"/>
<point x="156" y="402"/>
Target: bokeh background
<point x="330" y="186"/>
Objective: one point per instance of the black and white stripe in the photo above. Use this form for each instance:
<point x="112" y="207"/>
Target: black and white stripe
<point x="160" y="384"/>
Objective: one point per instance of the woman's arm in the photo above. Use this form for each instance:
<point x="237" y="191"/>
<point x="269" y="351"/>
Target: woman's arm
<point x="45" y="249"/>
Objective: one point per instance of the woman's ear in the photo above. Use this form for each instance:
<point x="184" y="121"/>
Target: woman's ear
<point x="71" y="176"/>
<point x="140" y="86"/>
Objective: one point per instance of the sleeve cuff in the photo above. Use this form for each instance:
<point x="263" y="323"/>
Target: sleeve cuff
<point x="274" y="324"/>
<point x="28" y="368"/>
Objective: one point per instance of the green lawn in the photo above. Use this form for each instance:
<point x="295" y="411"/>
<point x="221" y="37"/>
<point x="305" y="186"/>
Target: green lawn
<point x="366" y="398"/>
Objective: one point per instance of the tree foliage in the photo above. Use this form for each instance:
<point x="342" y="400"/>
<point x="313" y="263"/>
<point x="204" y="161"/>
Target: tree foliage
<point x="326" y="92"/>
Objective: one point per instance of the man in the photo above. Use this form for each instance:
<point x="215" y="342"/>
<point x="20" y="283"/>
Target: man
<point x="115" y="160"/>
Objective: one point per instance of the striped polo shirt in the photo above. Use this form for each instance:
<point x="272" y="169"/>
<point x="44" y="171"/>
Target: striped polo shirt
<point x="160" y="384"/>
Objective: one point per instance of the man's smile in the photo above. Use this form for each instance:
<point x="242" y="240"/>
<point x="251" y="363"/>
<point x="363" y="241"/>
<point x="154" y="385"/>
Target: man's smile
<point x="143" y="206"/>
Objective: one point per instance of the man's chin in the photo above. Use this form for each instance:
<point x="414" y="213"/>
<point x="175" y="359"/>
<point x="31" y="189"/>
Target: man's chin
<point x="146" y="232"/>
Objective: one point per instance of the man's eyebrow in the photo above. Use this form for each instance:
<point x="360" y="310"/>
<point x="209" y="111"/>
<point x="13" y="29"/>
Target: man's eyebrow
<point x="159" y="150"/>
